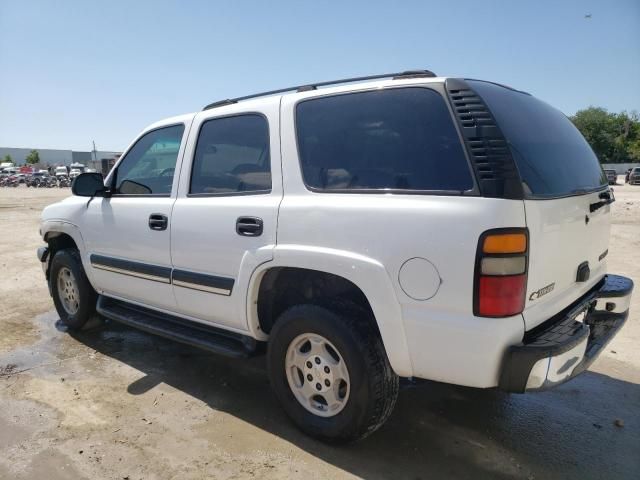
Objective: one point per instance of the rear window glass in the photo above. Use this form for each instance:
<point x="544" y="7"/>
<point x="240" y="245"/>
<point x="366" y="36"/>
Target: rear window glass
<point x="552" y="156"/>
<point x="396" y="139"/>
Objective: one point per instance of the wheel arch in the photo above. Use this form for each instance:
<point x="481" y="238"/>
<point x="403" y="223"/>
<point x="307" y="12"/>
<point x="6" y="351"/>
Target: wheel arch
<point x="361" y="277"/>
<point x="60" y="235"/>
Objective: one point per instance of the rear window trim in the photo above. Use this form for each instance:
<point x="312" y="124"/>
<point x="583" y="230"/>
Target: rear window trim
<point x="586" y="191"/>
<point x="474" y="191"/>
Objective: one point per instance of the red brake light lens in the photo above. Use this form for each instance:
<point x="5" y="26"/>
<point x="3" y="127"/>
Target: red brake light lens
<point x="501" y="296"/>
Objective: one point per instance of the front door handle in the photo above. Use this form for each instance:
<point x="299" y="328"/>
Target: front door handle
<point x="158" y="221"/>
<point x="249" y="226"/>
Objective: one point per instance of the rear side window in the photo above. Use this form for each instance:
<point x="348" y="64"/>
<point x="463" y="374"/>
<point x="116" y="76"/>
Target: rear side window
<point x="552" y="156"/>
<point x="396" y="139"/>
<point x="232" y="156"/>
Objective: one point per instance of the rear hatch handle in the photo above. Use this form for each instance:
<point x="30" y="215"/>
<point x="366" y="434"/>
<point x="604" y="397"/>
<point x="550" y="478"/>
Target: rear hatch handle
<point x="606" y="198"/>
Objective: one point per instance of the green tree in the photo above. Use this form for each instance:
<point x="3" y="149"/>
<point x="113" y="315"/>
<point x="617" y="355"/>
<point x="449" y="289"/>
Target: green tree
<point x="7" y="158"/>
<point x="614" y="137"/>
<point x="634" y="151"/>
<point x="33" y="157"/>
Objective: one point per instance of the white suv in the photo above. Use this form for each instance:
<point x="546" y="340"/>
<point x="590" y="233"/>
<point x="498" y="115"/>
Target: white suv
<point x="400" y="225"/>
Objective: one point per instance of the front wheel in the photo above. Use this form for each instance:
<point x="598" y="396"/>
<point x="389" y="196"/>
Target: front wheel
<point x="330" y="372"/>
<point x="74" y="297"/>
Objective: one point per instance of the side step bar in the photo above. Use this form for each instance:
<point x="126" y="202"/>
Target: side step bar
<point x="207" y="337"/>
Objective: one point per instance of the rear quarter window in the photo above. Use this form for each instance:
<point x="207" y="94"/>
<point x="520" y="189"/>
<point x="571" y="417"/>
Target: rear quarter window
<point x="398" y="140"/>
<point x="551" y="155"/>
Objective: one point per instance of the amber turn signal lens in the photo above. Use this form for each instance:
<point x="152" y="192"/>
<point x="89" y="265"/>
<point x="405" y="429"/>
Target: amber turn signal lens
<point x="505" y="243"/>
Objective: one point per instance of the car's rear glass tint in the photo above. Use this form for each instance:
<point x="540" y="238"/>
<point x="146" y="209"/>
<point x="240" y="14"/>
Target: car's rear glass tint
<point x="553" y="158"/>
<point x="392" y="140"/>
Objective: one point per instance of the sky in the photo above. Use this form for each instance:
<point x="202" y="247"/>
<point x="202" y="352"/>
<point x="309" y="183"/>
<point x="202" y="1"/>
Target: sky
<point x="76" y="71"/>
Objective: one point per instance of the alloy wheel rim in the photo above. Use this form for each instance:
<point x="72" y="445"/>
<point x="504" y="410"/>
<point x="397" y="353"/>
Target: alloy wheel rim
<point x="68" y="292"/>
<point x="317" y="375"/>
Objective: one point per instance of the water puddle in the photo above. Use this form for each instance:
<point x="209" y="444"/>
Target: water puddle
<point x="56" y="345"/>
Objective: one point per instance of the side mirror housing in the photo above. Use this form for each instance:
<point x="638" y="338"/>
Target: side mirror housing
<point x="88" y="185"/>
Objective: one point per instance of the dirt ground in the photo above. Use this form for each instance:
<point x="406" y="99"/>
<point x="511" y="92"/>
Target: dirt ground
<point x="115" y="403"/>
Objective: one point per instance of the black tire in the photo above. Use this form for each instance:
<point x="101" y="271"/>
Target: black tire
<point x="374" y="385"/>
<point x="87" y="298"/>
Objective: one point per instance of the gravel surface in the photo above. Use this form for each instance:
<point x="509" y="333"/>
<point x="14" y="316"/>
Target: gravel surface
<point x="115" y="403"/>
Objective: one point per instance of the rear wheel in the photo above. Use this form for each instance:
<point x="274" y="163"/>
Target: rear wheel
<point x="330" y="372"/>
<point x="74" y="297"/>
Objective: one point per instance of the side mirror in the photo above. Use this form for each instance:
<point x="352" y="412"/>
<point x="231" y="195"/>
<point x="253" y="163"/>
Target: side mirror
<point x="88" y="185"/>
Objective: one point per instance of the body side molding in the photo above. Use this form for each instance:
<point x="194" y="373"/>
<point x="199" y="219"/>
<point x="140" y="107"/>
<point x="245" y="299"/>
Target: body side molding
<point x="157" y="273"/>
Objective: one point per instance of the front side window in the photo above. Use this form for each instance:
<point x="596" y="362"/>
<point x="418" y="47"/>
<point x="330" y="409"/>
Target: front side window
<point x="232" y="156"/>
<point x="397" y="139"/>
<point x="148" y="167"/>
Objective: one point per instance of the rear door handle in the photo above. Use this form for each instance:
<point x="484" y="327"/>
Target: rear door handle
<point x="249" y="226"/>
<point x="158" y="221"/>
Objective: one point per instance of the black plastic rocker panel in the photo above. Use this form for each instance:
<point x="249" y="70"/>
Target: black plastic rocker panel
<point x="182" y="330"/>
<point x="488" y="150"/>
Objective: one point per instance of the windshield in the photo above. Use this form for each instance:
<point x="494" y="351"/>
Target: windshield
<point x="552" y="157"/>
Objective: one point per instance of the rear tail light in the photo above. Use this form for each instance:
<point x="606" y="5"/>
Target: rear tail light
<point x="501" y="272"/>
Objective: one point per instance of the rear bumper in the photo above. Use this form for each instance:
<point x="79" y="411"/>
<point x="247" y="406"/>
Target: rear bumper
<point x="567" y="344"/>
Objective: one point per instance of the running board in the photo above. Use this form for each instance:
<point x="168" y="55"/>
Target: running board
<point x="179" y="329"/>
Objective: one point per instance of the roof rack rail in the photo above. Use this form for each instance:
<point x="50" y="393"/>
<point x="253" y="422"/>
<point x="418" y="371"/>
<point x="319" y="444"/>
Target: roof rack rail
<point x="314" y="86"/>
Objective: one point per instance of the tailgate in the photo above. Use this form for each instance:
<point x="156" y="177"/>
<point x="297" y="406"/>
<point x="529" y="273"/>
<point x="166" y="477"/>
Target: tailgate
<point x="566" y="199"/>
<point x="563" y="235"/>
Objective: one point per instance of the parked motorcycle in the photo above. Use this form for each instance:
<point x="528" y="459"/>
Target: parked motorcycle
<point x="12" y="181"/>
<point x="37" y="180"/>
<point x="63" y="181"/>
